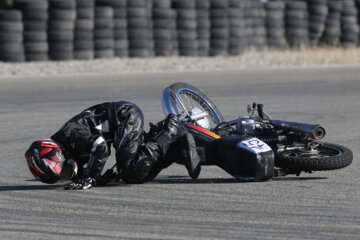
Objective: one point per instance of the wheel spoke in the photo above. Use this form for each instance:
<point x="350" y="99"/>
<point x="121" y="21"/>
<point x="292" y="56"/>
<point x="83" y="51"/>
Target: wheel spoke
<point x="191" y="101"/>
<point x="303" y="151"/>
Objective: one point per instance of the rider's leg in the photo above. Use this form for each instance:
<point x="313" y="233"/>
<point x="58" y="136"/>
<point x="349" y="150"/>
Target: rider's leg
<point x="144" y="164"/>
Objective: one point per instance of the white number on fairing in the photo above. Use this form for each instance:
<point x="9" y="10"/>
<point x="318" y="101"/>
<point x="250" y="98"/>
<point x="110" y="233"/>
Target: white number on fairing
<point x="254" y="145"/>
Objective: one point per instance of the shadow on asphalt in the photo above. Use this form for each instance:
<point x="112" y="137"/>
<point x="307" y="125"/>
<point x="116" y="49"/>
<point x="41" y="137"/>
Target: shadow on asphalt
<point x="187" y="180"/>
<point x="298" y="178"/>
<point x="30" y="187"/>
<point x="167" y="180"/>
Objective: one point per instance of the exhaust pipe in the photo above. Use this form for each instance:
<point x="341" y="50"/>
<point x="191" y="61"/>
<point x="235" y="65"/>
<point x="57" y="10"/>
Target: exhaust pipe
<point x="314" y="131"/>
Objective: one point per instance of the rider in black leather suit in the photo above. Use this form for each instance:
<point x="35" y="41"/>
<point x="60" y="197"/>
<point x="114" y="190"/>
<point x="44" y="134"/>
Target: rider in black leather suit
<point x="140" y="156"/>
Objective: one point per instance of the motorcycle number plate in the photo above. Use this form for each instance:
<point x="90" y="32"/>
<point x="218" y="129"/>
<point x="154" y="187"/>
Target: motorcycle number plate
<point x="254" y="145"/>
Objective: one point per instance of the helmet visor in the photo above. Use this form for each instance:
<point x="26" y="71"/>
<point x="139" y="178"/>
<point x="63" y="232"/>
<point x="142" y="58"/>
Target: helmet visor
<point x="69" y="170"/>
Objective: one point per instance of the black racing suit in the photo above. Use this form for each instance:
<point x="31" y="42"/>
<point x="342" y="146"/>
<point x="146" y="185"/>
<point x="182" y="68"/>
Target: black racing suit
<point x="89" y="135"/>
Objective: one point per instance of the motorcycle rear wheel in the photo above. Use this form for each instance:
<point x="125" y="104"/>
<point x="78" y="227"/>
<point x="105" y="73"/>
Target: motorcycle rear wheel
<point x="323" y="157"/>
<point x="185" y="99"/>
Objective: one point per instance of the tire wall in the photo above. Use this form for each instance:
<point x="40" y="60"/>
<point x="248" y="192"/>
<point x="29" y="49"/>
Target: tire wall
<point x="85" y="29"/>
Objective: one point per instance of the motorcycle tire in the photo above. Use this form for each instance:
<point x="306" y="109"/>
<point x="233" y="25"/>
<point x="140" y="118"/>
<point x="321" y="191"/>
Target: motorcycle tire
<point x="191" y="98"/>
<point x="328" y="156"/>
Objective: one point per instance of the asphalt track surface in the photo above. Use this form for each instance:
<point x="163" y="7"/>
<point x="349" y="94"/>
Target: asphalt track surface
<point x="322" y="205"/>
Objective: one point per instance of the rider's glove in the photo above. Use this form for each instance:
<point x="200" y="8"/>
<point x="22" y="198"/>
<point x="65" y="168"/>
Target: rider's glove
<point x="81" y="184"/>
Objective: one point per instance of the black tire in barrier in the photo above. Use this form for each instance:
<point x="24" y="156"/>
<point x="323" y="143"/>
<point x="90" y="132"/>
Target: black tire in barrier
<point x="184" y="4"/>
<point x="219" y="4"/>
<point x="103" y="44"/>
<point x="137" y="22"/>
<point x="10" y="15"/>
<point x="83" y="55"/>
<point x="61" y="56"/>
<point x="84" y="24"/>
<point x="104" y="12"/>
<point x="62" y="14"/>
<point x="61" y="46"/>
<point x="81" y="45"/>
<point x="190" y="24"/>
<point x="137" y="3"/>
<point x="186" y="13"/>
<point x="165" y="23"/>
<point x="103" y="23"/>
<point x="112" y="3"/>
<point x="104" y="33"/>
<point x="61" y="25"/>
<point x="202" y="14"/>
<point x="121" y="53"/>
<point x="12" y="47"/>
<point x="11" y="26"/>
<point x="62" y="4"/>
<point x="36" y="56"/>
<point x="85" y="4"/>
<point x="187" y="34"/>
<point x="60" y="35"/>
<point x="120" y="13"/>
<point x="12" y="57"/>
<point x="139" y="52"/>
<point x="121" y="44"/>
<point x="202" y="4"/>
<point x="83" y="34"/>
<point x="35" y="15"/>
<point x="160" y="4"/>
<point x="31" y="25"/>
<point x="85" y="13"/>
<point x="12" y="37"/>
<point x="120" y="23"/>
<point x="36" y="46"/>
<point x="38" y="5"/>
<point x="133" y="12"/>
<point x="203" y="23"/>
<point x="120" y="33"/>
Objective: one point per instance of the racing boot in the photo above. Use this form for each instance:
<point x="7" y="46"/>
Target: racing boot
<point x="177" y="145"/>
<point x="183" y="152"/>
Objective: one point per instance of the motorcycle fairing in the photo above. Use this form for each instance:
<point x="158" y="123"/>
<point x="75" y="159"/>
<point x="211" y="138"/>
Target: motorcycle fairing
<point x="239" y="160"/>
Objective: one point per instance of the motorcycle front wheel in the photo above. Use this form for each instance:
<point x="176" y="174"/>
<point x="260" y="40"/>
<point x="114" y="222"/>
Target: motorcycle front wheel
<point x="187" y="100"/>
<point x="321" y="157"/>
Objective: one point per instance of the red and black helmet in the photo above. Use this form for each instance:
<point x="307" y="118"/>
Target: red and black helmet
<point x="49" y="162"/>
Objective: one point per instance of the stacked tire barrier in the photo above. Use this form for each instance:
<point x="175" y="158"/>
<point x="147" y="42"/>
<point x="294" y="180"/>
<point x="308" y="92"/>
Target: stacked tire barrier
<point x="150" y="25"/>
<point x="164" y="22"/>
<point x="104" y="32"/>
<point x="11" y="36"/>
<point x="296" y="22"/>
<point x="121" y="43"/>
<point x="357" y="2"/>
<point x="237" y="30"/>
<point x="139" y="34"/>
<point x="219" y="41"/>
<point x="318" y="11"/>
<point x="332" y="32"/>
<point x="203" y="27"/>
<point x="61" y="24"/>
<point x="186" y="27"/>
<point x="349" y="27"/>
<point x="275" y="24"/>
<point x="35" y="15"/>
<point x="84" y="30"/>
<point x="40" y="30"/>
<point x="250" y="23"/>
<point x="258" y="15"/>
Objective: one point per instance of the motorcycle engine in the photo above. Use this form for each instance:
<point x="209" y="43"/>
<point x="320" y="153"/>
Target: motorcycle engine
<point x="247" y="125"/>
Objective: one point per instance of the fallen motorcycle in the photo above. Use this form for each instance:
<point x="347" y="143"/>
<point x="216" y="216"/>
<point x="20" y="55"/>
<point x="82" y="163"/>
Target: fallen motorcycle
<point x="254" y="147"/>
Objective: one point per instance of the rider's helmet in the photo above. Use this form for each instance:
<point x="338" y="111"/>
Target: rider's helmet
<point x="49" y="162"/>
